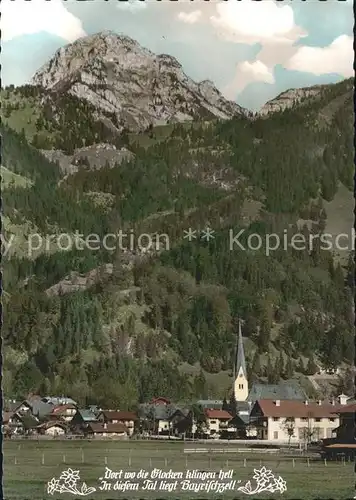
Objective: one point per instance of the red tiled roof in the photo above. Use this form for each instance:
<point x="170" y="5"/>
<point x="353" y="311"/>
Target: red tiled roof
<point x="347" y="408"/>
<point x="219" y="414"/>
<point x="99" y="428"/>
<point x="62" y="408"/>
<point x="160" y="400"/>
<point x="292" y="408"/>
<point x="119" y="415"/>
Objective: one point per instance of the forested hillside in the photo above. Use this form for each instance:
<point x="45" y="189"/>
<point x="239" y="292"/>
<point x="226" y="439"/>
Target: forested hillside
<point x="132" y="334"/>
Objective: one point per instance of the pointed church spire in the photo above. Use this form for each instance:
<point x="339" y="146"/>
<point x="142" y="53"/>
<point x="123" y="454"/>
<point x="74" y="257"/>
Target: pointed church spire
<point x="240" y="354"/>
<point x="240" y="390"/>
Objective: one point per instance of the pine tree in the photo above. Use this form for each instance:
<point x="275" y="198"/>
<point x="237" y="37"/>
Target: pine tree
<point x="225" y="405"/>
<point x="233" y="405"/>
<point x="289" y="368"/>
<point x="301" y="366"/>
<point x="264" y="335"/>
<point x="256" y="365"/>
<point x="311" y="368"/>
<point x="281" y="365"/>
<point x="270" y="371"/>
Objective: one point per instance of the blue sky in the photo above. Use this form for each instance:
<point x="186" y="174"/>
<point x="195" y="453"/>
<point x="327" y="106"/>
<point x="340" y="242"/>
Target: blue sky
<point x="251" y="50"/>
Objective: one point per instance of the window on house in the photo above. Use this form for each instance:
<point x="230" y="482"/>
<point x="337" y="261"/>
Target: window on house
<point x="275" y="419"/>
<point x="304" y="419"/>
<point x="275" y="435"/>
<point x="329" y="432"/>
<point x="213" y="421"/>
<point x="318" y="420"/>
<point x="332" y="419"/>
<point x="241" y="386"/>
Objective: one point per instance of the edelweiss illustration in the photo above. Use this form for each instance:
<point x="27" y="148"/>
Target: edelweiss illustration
<point x="67" y="483"/>
<point x="266" y="481"/>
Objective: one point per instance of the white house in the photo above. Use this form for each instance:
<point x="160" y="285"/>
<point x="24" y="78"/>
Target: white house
<point x="217" y="421"/>
<point x="293" y="421"/>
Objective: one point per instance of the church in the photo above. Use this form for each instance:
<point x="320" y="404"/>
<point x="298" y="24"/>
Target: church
<point x="288" y="389"/>
<point x="246" y="396"/>
<point x="240" y="383"/>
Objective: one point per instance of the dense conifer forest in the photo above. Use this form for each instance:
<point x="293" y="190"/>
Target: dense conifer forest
<point x="132" y="334"/>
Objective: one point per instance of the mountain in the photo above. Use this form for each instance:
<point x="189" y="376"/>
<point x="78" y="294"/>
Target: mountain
<point x="89" y="311"/>
<point x="304" y="96"/>
<point x="119" y="77"/>
<point x="292" y="97"/>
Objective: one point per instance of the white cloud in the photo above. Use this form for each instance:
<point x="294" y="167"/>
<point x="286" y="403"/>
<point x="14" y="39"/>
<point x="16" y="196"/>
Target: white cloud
<point x="335" y="58"/>
<point x="274" y="28"/>
<point x="27" y="18"/>
<point x="255" y="22"/>
<point x="247" y="73"/>
<point x="258" y="70"/>
<point x="190" y="18"/>
<point x="265" y="23"/>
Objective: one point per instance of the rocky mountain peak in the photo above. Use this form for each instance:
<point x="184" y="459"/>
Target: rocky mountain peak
<point x="120" y="77"/>
<point x="291" y="97"/>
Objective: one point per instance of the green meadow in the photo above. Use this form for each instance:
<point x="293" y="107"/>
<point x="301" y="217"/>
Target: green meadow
<point x="29" y="465"/>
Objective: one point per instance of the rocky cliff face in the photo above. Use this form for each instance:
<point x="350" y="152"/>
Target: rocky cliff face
<point x="291" y="97"/>
<point x="91" y="158"/>
<point x="120" y="77"/>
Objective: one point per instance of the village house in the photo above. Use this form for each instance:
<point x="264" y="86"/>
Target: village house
<point x="290" y="421"/>
<point x="181" y="422"/>
<point x="217" y="421"/>
<point x="155" y="417"/>
<point x="242" y="430"/>
<point x="59" y="400"/>
<point x="82" y="418"/>
<point x="160" y="401"/>
<point x="104" y="430"/>
<point x="327" y="370"/>
<point x="39" y="407"/>
<point x="64" y="412"/>
<point x="344" y="441"/>
<point x="19" y="424"/>
<point x="127" y="418"/>
<point x="345" y="433"/>
<point x="52" y="428"/>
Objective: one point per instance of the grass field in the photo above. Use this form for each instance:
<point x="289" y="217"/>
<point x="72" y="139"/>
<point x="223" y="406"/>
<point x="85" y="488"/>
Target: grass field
<point x="29" y="465"/>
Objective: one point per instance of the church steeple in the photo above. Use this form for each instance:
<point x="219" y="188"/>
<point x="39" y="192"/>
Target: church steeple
<point x="240" y="372"/>
<point x="240" y="354"/>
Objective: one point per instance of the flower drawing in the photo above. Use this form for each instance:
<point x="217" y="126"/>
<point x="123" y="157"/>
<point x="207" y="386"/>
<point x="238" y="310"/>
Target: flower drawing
<point x="266" y="481"/>
<point x="67" y="483"/>
<point x="52" y="486"/>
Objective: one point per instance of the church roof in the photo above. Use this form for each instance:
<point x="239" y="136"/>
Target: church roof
<point x="240" y="354"/>
<point x="243" y="406"/>
<point x="212" y="404"/>
<point x="283" y="390"/>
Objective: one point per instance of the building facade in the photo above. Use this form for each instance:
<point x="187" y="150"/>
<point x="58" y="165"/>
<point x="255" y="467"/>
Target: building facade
<point x="290" y="421"/>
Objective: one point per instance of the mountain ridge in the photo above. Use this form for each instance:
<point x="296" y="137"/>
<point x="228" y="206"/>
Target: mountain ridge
<point x="124" y="327"/>
<point x="117" y="75"/>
